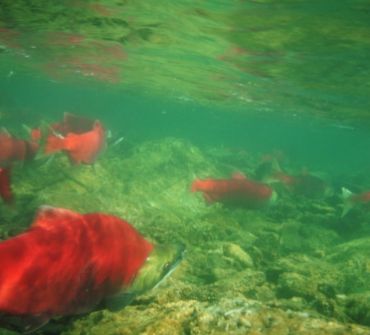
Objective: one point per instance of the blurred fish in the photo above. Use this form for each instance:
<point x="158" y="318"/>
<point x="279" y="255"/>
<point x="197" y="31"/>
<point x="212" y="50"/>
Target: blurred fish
<point x="12" y="150"/>
<point x="79" y="147"/>
<point x="80" y="138"/>
<point x="304" y="184"/>
<point x="68" y="263"/>
<point x="74" y="124"/>
<point x="351" y="200"/>
<point x="5" y="186"/>
<point x="71" y="123"/>
<point x="267" y="167"/>
<point x="235" y="191"/>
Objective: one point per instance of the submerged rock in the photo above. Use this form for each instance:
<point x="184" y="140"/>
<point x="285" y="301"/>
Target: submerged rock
<point x="240" y="256"/>
<point x="274" y="272"/>
<point x="358" y="307"/>
<point x="236" y="315"/>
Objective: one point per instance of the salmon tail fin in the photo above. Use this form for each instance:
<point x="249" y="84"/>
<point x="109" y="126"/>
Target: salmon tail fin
<point x="5" y="187"/>
<point x="347" y="203"/>
<point x="54" y="144"/>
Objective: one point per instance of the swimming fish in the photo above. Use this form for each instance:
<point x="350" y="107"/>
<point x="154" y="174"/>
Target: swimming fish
<point x="304" y="184"/>
<point x="350" y="199"/>
<point x="80" y="147"/>
<point x="5" y="186"/>
<point x="71" y="123"/>
<point x="237" y="190"/>
<point x="12" y="149"/>
<point x="68" y="263"/>
<point x="74" y="124"/>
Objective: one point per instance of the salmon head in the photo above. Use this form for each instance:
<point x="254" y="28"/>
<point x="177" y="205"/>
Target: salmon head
<point x="162" y="261"/>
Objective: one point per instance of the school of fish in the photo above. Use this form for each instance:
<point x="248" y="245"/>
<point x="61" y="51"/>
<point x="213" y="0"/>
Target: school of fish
<point x="68" y="263"/>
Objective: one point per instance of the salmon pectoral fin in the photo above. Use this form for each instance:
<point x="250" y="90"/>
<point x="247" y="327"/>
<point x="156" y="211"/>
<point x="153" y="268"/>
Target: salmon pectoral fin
<point x="117" y="302"/>
<point x="25" y="324"/>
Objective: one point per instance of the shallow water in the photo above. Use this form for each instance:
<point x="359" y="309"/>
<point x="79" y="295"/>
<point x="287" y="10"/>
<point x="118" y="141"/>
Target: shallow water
<point x="206" y="89"/>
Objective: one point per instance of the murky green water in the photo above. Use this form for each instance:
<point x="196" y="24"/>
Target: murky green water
<point x="286" y="57"/>
<point x="204" y="89"/>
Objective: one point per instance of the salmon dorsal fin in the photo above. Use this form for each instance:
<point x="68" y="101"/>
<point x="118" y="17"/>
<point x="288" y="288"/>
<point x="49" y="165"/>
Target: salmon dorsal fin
<point x="48" y="215"/>
<point x="238" y="176"/>
<point x="97" y="125"/>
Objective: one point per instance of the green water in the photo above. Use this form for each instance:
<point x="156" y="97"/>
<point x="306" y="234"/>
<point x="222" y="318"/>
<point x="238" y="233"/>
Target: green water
<point x="206" y="89"/>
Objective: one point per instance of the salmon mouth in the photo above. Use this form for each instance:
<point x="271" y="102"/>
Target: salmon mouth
<point x="160" y="264"/>
<point x="170" y="267"/>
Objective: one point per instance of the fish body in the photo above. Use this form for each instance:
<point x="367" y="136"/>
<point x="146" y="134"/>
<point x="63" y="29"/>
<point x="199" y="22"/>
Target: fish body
<point x="5" y="185"/>
<point x="237" y="190"/>
<point x="352" y="199"/>
<point x="304" y="184"/>
<point x="13" y="149"/>
<point x="67" y="263"/>
<point x="72" y="123"/>
<point x="80" y="148"/>
<point x="76" y="124"/>
<point x="363" y="197"/>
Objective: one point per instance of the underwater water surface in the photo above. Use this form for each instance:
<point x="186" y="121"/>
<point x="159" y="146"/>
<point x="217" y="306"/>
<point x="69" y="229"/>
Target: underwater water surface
<point x="273" y="92"/>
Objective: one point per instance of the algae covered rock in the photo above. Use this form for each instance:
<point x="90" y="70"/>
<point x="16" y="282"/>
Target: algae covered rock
<point x="353" y="258"/>
<point x="236" y="253"/>
<point x="306" y="237"/>
<point x="292" y="284"/>
<point x="236" y="315"/>
<point x="358" y="307"/>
